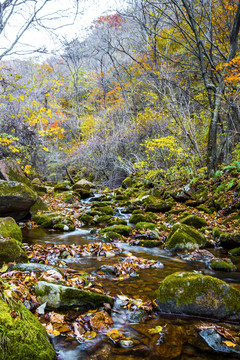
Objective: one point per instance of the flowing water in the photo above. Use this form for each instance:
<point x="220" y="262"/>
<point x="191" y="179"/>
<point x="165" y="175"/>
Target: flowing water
<point x="181" y="340"/>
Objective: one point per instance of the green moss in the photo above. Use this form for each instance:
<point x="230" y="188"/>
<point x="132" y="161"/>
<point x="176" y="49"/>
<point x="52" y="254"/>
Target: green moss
<point x="145" y="226"/>
<point x="235" y="251"/>
<point x="104" y="219"/>
<point x="53" y="221"/>
<point x="22" y="336"/>
<point x="10" y="251"/>
<point x="107" y="210"/>
<point x="60" y="187"/>
<point x="193" y="220"/>
<point x="10" y="229"/>
<point x="150" y="243"/>
<point x="161" y="206"/>
<point x="204" y="209"/>
<point x="116" y="221"/>
<point x="111" y="235"/>
<point x="38" y="206"/>
<point x="137" y="211"/>
<point x="136" y="218"/>
<point x="210" y="296"/>
<point x="119" y="229"/>
<point x="64" y="227"/>
<point x="87" y="299"/>
<point x="183" y="236"/>
<point x="85" y="218"/>
<point x="222" y="265"/>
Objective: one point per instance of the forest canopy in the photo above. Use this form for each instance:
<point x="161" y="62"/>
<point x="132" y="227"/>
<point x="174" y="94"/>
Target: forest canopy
<point x="152" y="89"/>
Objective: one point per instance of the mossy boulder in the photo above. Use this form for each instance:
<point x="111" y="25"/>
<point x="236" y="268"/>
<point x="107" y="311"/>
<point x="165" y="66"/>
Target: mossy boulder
<point x="117" y="221"/>
<point x="67" y="197"/>
<point x="104" y="219"/>
<point x="145" y="226"/>
<point x="195" y="294"/>
<point x="222" y="265"/>
<point x="162" y="206"/>
<point x="54" y="221"/>
<point x="11" y="251"/>
<point x="86" y="219"/>
<point x="225" y="239"/>
<point x="11" y="171"/>
<point x="183" y="237"/>
<point x="10" y="229"/>
<point x="136" y="218"/>
<point x="65" y="297"/>
<point x="22" y="335"/>
<point x="83" y="184"/>
<point x="16" y="199"/>
<point x="195" y="221"/>
<point x="111" y="235"/>
<point x="40" y="189"/>
<point x="61" y="187"/>
<point x="150" y="243"/>
<point x="127" y="183"/>
<point x="107" y="210"/>
<point x="119" y="229"/>
<point x="83" y="193"/>
<point x="235" y="251"/>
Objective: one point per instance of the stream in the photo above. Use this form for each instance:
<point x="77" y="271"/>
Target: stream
<point x="180" y="340"/>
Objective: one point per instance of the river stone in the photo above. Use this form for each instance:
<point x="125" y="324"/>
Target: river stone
<point x="195" y="294"/>
<point x="183" y="237"/>
<point x="216" y="342"/>
<point x="16" y="199"/>
<point x="58" y="296"/>
<point x="34" y="267"/>
<point x="161" y="206"/>
<point x="10" y="251"/>
<point x="10" y="229"/>
<point x="222" y="265"/>
<point x="83" y="184"/>
<point x="54" y="221"/>
<point x="226" y="239"/>
<point x="11" y="171"/>
<point x="195" y="221"/>
<point x="22" y="335"/>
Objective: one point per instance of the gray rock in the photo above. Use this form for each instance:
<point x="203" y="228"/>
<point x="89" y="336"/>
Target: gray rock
<point x="16" y="199"/>
<point x="58" y="296"/>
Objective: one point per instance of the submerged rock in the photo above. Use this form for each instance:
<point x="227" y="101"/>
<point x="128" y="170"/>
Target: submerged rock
<point x="183" y="237"/>
<point x="22" y="335"/>
<point x="195" y="294"/>
<point x="58" y="296"/>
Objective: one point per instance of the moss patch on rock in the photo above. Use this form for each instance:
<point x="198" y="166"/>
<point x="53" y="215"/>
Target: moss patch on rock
<point x="201" y="295"/>
<point x="195" y="221"/>
<point x="161" y="206"/>
<point x="119" y="229"/>
<point x="235" y="251"/>
<point x="145" y="226"/>
<point x="10" y="229"/>
<point x="58" y="296"/>
<point x="22" y="335"/>
<point x="10" y="251"/>
<point x="183" y="237"/>
<point x="54" y="221"/>
<point x="222" y="265"/>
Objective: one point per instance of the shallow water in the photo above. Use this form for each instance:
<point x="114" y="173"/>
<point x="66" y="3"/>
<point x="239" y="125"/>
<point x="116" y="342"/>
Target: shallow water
<point x="181" y="339"/>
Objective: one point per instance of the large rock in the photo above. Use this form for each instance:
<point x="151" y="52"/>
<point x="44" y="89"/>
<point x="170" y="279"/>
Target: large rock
<point x="16" y="199"/>
<point x="11" y="171"/>
<point x="183" y="237"/>
<point x="195" y="221"/>
<point x="54" y="221"/>
<point x="22" y="335"/>
<point x="161" y="206"/>
<point x="83" y="184"/>
<point x="226" y="239"/>
<point x="195" y="294"/>
<point x="11" y="251"/>
<point x="58" y="296"/>
<point x="10" y="229"/>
